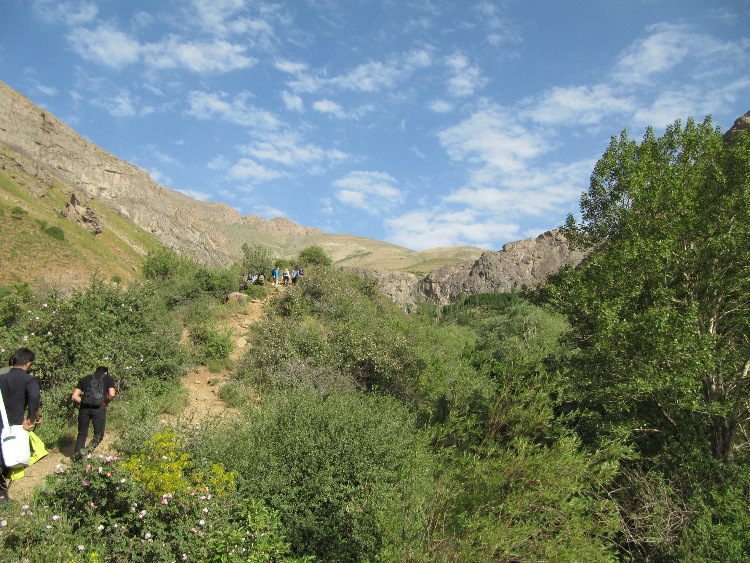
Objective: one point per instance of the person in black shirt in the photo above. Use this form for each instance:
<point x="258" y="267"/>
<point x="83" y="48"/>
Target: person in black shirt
<point x="21" y="395"/>
<point x="95" y="414"/>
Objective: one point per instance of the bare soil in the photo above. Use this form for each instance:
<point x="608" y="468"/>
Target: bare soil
<point x="204" y="401"/>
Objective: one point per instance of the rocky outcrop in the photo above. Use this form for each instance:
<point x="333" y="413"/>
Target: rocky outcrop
<point x="525" y="263"/>
<point x="518" y="264"/>
<point x="77" y="211"/>
<point x="399" y="287"/>
<point x="740" y="124"/>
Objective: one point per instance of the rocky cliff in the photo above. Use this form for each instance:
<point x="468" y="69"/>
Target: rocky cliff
<point x="47" y="149"/>
<point x="518" y="264"/>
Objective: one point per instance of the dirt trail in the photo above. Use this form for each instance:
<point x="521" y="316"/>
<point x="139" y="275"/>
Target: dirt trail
<point x="203" y="402"/>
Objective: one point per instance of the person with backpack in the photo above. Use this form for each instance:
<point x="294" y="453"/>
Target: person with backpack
<point x="93" y="393"/>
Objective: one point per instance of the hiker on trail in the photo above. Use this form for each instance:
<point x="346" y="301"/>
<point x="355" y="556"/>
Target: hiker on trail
<point x="20" y="392"/>
<point x="93" y="393"/>
<point x="275" y="275"/>
<point x="295" y="273"/>
<point x="285" y="278"/>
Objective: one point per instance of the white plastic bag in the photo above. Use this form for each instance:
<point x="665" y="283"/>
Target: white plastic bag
<point x="16" y="446"/>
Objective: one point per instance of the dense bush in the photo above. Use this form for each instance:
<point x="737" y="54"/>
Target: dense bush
<point x="314" y="255"/>
<point x="339" y="322"/>
<point x="157" y="506"/>
<point x="126" y="330"/>
<point x="336" y="469"/>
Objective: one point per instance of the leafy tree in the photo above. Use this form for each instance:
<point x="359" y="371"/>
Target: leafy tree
<point x="314" y="255"/>
<point x="256" y="259"/>
<point x="659" y="308"/>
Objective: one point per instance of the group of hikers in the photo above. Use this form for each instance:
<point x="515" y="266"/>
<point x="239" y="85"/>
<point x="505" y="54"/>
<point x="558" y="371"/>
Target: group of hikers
<point x="286" y="276"/>
<point x="21" y="401"/>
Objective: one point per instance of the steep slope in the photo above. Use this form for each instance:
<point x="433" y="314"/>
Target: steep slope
<point x="212" y="233"/>
<point x="48" y="238"/>
<point x="58" y="153"/>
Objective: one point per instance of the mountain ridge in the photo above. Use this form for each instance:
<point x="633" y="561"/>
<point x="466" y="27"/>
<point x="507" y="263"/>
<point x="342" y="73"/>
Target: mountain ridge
<point x="52" y="155"/>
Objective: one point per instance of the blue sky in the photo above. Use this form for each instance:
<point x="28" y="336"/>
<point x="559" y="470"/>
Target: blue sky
<point x="423" y="123"/>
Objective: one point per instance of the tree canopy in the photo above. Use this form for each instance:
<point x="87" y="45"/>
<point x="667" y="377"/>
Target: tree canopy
<point x="660" y="306"/>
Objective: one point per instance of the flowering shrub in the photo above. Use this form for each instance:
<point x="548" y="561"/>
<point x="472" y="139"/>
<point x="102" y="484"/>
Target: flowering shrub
<point x="105" y="508"/>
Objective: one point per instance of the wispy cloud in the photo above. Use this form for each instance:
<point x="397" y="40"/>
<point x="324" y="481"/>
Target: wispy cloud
<point x="247" y="169"/>
<point x="466" y="78"/>
<point x="215" y="56"/>
<point x="237" y="110"/>
<point x="422" y="229"/>
<point x="582" y="105"/>
<point x="123" y="104"/>
<point x="105" y="45"/>
<point x="494" y="143"/>
<point x="369" y="77"/>
<point x="292" y="102"/>
<point x="70" y="13"/>
<point x="290" y="150"/>
<point x="369" y="191"/>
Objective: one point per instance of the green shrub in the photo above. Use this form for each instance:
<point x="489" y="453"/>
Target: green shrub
<point x="335" y="469"/>
<point x="126" y="330"/>
<point x="314" y="255"/>
<point x="256" y="291"/>
<point x="55" y="232"/>
<point x="157" y="506"/>
<point x="210" y="343"/>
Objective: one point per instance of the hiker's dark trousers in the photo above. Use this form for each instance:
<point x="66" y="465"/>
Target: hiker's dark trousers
<point x="88" y="415"/>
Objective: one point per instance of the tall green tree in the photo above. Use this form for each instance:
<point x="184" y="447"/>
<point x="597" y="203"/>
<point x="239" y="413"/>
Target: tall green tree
<point x="660" y="308"/>
<point x="256" y="259"/>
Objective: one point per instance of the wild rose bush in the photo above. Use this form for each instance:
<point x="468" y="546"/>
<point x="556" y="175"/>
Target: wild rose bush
<point x="99" y="509"/>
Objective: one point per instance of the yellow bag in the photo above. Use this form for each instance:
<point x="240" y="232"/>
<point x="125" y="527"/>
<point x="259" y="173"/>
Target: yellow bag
<point x="38" y="449"/>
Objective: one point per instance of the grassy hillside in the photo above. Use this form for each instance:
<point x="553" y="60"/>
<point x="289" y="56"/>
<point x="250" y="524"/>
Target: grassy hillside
<point x="353" y="251"/>
<point x="39" y="243"/>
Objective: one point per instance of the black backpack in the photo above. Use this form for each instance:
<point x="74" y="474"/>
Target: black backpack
<point x="94" y="394"/>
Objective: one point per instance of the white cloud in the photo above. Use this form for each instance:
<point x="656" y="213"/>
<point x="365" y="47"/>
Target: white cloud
<point x="370" y="191"/>
<point x="290" y="67"/>
<point x="466" y="77"/>
<point x="370" y="77"/>
<point x="223" y="18"/>
<point x="422" y="229"/>
<point x="70" y="13"/>
<point x="494" y="143"/>
<point x="268" y="212"/>
<point x="105" y="45"/>
<point x="329" y="107"/>
<point x="202" y="196"/>
<point x="219" y="162"/>
<point x="217" y="56"/>
<point x="47" y="90"/>
<point x="287" y="149"/>
<point x="579" y="105"/>
<point x="529" y="192"/>
<point x="248" y="169"/>
<point x="440" y="106"/>
<point x="214" y="14"/>
<point x="123" y="104"/>
<point x="665" y="48"/>
<point x="209" y="105"/>
<point x="292" y="102"/>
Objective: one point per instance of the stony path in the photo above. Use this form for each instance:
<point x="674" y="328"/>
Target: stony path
<point x="204" y="401"/>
